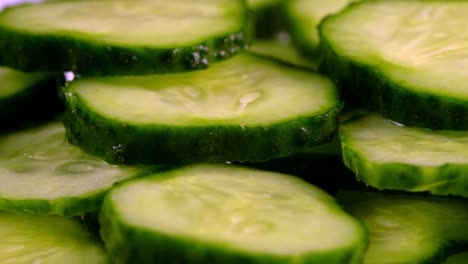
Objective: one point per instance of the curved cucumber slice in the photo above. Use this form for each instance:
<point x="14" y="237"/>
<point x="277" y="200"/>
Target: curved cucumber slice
<point x="267" y="16"/>
<point x="405" y="59"/>
<point x="304" y="17"/>
<point x="26" y="97"/>
<point x="40" y="173"/>
<point x="237" y="110"/>
<point x="388" y="156"/>
<point x="47" y="239"/>
<point x="223" y="214"/>
<point x="283" y="51"/>
<point x="120" y="37"/>
<point x="408" y="229"/>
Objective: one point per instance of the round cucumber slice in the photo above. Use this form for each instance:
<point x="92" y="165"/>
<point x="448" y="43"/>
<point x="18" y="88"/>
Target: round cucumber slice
<point x="405" y="59"/>
<point x="304" y="17"/>
<point x="47" y="239"/>
<point x="386" y="155"/>
<point x="40" y="173"/>
<point x="408" y="229"/>
<point x="26" y="97"/>
<point x="120" y="37"/>
<point x="240" y="109"/>
<point x="222" y="214"/>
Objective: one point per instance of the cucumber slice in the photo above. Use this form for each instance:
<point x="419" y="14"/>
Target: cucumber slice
<point x="120" y="37"/>
<point x="222" y="214"/>
<point x="267" y="17"/>
<point x="237" y="110"/>
<point x="281" y="50"/>
<point x="386" y="155"/>
<point x="26" y="98"/>
<point x="40" y="173"/>
<point x="408" y="229"/>
<point x="47" y="239"/>
<point x="405" y="59"/>
<point x="304" y="17"/>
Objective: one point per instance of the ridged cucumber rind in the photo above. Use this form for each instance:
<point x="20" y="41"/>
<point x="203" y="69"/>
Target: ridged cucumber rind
<point x="445" y="238"/>
<point x="125" y="142"/>
<point x="446" y="179"/>
<point x="86" y="57"/>
<point x="368" y="87"/>
<point x="127" y="243"/>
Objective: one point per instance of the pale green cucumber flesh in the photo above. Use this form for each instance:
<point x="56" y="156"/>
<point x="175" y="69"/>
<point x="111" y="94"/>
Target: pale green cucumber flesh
<point x="387" y="155"/>
<point x="144" y="23"/>
<point x="242" y="210"/>
<point x="419" y="45"/>
<point x="13" y="82"/>
<point x="408" y="229"/>
<point x="242" y="91"/>
<point x="258" y="4"/>
<point x="47" y="239"/>
<point x="40" y="172"/>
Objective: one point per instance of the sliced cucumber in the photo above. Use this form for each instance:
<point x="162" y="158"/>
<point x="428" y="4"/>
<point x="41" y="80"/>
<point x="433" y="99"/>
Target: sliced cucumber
<point x="405" y="59"/>
<point x="120" y="37"/>
<point x="386" y="155"/>
<point x="237" y="110"/>
<point x="40" y="173"/>
<point x="26" y="98"/>
<point x="267" y="16"/>
<point x="408" y="229"/>
<point x="222" y="214"/>
<point x="304" y="17"/>
<point x="281" y="50"/>
<point x="47" y="239"/>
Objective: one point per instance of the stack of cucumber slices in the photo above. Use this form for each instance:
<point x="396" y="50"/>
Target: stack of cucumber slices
<point x="234" y="131"/>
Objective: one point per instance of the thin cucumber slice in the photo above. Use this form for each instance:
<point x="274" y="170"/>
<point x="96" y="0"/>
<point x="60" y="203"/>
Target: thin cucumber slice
<point x="41" y="173"/>
<point x="267" y="16"/>
<point x="406" y="228"/>
<point x="222" y="214"/>
<point x="304" y="17"/>
<point x="405" y="59"/>
<point x="47" y="239"/>
<point x="281" y="50"/>
<point x="238" y="110"/>
<point x="386" y="155"/>
<point x="26" y="97"/>
<point x="120" y="37"/>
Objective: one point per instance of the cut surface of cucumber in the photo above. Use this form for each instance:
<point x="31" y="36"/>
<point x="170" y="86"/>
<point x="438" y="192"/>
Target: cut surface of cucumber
<point x="386" y="155"/>
<point x="283" y="51"/>
<point x="40" y="173"/>
<point x="121" y="37"/>
<point x="47" y="239"/>
<point x="239" y="109"/>
<point x="408" y="228"/>
<point x="26" y="97"/>
<point x="405" y="59"/>
<point x="304" y="17"/>
<point x="224" y="214"/>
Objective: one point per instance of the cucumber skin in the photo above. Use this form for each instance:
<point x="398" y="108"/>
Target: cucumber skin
<point x="128" y="244"/>
<point x="406" y="177"/>
<point x="149" y="144"/>
<point x="35" y="104"/>
<point x="26" y="53"/>
<point x="366" y="87"/>
<point x="269" y="20"/>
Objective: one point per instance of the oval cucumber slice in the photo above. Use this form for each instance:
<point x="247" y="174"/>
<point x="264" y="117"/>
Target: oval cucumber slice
<point x="26" y="97"/>
<point x="304" y="17"/>
<point x="237" y="110"/>
<point x="222" y="214"/>
<point x="408" y="228"/>
<point x="405" y="59"/>
<point x="47" y="239"/>
<point x="40" y="173"/>
<point x="386" y="155"/>
<point x="120" y="37"/>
